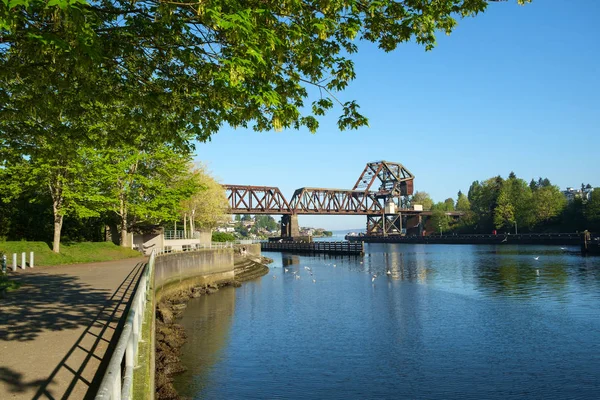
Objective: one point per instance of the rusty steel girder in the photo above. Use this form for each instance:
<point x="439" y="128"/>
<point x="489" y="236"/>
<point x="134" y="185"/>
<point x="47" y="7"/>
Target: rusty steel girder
<point x="256" y="200"/>
<point x="335" y="201"/>
<point x="394" y="179"/>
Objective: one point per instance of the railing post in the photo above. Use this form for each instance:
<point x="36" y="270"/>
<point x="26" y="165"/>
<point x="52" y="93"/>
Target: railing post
<point x="14" y="262"/>
<point x="31" y="259"/>
<point x="23" y="261"/>
<point x="116" y="387"/>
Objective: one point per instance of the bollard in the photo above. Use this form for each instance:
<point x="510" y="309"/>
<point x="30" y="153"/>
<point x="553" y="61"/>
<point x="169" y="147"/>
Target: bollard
<point x="23" y="261"/>
<point x="14" y="262"/>
<point x="31" y="259"/>
<point x="3" y="261"/>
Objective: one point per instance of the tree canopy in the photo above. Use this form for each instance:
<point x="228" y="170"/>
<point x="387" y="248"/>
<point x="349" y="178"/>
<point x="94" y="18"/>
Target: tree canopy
<point x="185" y="68"/>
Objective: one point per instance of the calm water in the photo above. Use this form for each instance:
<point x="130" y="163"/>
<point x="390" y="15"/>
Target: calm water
<point x="450" y="322"/>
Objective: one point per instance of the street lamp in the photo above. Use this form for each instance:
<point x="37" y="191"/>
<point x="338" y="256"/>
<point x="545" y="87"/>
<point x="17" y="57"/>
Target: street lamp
<point x="440" y="226"/>
<point x="515" y="227"/>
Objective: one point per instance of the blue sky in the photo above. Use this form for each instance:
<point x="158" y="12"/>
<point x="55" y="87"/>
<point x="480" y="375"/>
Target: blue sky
<point x="513" y="89"/>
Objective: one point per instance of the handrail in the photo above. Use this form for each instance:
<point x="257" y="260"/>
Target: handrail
<point x="113" y="385"/>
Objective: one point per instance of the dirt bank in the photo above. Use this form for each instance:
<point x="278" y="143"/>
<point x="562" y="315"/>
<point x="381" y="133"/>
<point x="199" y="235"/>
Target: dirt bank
<point x="170" y="336"/>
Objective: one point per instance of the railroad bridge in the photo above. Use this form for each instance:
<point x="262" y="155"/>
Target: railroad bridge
<point x="381" y="193"/>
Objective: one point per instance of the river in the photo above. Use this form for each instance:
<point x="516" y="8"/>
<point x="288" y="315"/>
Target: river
<point x="448" y="322"/>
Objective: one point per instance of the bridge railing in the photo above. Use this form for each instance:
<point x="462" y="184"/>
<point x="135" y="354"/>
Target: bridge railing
<point x="116" y="385"/>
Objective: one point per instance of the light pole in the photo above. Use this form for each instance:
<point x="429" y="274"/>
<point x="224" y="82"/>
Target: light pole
<point x="440" y="226"/>
<point x="515" y="227"/>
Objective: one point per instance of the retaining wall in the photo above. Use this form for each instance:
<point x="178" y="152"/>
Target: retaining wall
<point x="177" y="271"/>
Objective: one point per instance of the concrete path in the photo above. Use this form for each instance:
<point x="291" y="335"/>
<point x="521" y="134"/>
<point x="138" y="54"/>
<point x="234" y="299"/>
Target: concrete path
<point x="56" y="330"/>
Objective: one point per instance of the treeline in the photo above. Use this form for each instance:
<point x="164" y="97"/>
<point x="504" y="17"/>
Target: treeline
<point x="53" y="192"/>
<point x="514" y="205"/>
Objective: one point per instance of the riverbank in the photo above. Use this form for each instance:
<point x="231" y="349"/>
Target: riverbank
<point x="170" y="335"/>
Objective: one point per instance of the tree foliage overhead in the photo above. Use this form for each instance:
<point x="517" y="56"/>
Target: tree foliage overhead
<point x="201" y="64"/>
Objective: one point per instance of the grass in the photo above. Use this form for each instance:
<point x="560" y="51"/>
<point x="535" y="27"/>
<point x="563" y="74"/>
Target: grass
<point x="73" y="253"/>
<point x="7" y="284"/>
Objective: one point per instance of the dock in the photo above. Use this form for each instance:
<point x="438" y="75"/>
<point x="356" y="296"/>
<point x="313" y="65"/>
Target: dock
<point x="315" y="247"/>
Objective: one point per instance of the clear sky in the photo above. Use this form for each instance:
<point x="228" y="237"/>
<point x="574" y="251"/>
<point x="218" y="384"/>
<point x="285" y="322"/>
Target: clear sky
<point x="513" y="89"/>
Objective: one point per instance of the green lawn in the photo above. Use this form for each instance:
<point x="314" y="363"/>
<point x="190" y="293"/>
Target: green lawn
<point x="69" y="253"/>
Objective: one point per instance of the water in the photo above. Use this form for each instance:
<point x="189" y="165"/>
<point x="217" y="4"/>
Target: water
<point x="450" y="322"/>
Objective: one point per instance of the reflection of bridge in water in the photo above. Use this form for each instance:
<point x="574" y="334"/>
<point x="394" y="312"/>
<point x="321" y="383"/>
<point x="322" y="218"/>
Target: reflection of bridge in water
<point x="381" y="193"/>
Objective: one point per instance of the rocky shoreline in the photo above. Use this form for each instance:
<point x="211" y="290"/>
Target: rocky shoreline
<point x="170" y="336"/>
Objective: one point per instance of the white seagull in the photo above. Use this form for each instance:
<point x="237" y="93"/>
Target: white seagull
<point x="536" y="258"/>
<point x="388" y="272"/>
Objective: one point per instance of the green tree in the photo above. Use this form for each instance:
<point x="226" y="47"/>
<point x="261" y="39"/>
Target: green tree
<point x="462" y="202"/>
<point x="484" y="199"/>
<point x="519" y="196"/>
<point x="143" y="184"/>
<point x="439" y="220"/>
<point x="449" y="204"/>
<point x="573" y="218"/>
<point x="548" y="203"/>
<point x="504" y="214"/>
<point x="207" y="207"/>
<point x="423" y="199"/>
<point x="592" y="211"/>
<point x="204" y="64"/>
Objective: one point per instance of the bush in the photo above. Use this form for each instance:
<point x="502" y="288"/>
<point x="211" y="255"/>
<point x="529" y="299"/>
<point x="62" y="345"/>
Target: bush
<point x="222" y="237"/>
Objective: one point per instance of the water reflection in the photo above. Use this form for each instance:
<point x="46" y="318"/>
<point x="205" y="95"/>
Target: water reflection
<point x="207" y="322"/>
<point x="465" y="322"/>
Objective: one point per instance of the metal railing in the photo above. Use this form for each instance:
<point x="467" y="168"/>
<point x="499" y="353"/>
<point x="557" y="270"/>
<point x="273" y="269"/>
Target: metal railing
<point x="173" y="235"/>
<point x="194" y="247"/>
<point x="116" y="385"/>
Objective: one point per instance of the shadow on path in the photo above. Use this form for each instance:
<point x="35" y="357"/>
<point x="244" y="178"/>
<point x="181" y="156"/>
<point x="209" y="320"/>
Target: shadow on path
<point x="60" y="302"/>
<point x="53" y="302"/>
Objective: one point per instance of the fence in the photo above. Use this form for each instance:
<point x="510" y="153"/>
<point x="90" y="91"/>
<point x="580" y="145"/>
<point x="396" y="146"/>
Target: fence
<point x="116" y="385"/>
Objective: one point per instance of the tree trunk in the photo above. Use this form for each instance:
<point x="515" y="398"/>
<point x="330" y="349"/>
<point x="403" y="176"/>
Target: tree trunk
<point x="123" y="212"/>
<point x="185" y="226"/>
<point x="57" y="202"/>
<point x="58" y="221"/>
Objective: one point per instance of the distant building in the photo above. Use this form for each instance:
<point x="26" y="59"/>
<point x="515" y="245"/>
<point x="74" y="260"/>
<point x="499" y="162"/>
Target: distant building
<point x="584" y="193"/>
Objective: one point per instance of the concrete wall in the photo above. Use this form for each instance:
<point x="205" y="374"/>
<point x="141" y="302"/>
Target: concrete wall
<point x="177" y="271"/>
<point x="177" y="244"/>
<point x="252" y="250"/>
<point x="205" y="237"/>
<point x="147" y="242"/>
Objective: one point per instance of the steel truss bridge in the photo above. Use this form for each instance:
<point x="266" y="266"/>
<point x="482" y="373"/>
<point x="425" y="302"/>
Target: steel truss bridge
<point x="381" y="193"/>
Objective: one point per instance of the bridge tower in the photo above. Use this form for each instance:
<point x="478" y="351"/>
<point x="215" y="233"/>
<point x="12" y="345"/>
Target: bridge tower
<point x="392" y="184"/>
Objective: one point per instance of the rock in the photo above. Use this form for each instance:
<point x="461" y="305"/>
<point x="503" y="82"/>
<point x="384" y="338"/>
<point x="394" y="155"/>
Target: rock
<point x="179" y="307"/>
<point x="164" y="314"/>
<point x="167" y="392"/>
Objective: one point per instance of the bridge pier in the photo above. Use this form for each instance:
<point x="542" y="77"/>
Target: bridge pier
<point x="289" y="226"/>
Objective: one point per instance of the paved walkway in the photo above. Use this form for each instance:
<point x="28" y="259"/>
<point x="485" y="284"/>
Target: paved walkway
<point x="56" y="329"/>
